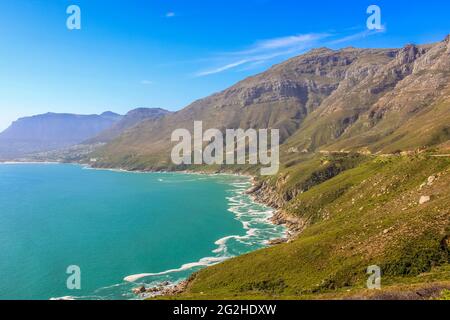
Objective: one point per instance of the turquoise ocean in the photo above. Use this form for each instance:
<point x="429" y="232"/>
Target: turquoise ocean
<point x="148" y="228"/>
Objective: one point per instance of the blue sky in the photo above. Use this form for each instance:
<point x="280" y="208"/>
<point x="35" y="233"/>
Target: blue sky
<point x="167" y="53"/>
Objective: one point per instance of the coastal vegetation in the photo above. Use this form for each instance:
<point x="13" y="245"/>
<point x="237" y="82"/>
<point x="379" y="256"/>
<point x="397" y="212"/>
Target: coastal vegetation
<point x="364" y="175"/>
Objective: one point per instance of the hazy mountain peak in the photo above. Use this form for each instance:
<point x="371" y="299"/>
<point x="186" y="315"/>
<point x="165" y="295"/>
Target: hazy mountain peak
<point x="132" y="118"/>
<point x="148" y="111"/>
<point x="50" y="131"/>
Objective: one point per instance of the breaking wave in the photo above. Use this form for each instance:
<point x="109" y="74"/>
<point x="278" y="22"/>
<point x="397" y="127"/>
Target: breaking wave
<point x="258" y="230"/>
<point x="255" y="219"/>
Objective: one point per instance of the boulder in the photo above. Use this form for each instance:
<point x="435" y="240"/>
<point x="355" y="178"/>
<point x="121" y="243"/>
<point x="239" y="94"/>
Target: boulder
<point x="139" y="290"/>
<point x="424" y="199"/>
<point x="277" y="241"/>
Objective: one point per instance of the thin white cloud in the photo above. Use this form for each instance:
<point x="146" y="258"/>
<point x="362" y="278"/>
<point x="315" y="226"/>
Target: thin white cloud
<point x="220" y="69"/>
<point x="146" y="82"/>
<point x="282" y="43"/>
<point x="170" y="14"/>
<point x="270" y="49"/>
<point x="357" y="36"/>
<point x="265" y="50"/>
<point x="289" y="41"/>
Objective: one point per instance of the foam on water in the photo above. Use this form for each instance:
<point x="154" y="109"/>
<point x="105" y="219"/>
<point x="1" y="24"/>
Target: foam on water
<point x="255" y="219"/>
<point x="256" y="231"/>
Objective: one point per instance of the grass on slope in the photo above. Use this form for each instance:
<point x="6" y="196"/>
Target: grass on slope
<point x="364" y="216"/>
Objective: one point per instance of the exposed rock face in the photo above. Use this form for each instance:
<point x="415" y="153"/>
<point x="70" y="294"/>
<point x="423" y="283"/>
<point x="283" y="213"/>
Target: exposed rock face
<point x="264" y="193"/>
<point x="379" y="108"/>
<point x="371" y="100"/>
<point x="163" y="289"/>
<point x="139" y="290"/>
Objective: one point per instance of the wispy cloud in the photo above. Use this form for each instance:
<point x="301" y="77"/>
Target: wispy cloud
<point x="285" y="42"/>
<point x="170" y="14"/>
<point x="263" y="51"/>
<point x="357" y="36"/>
<point x="223" y="68"/>
<point x="146" y="82"/>
<point x="269" y="49"/>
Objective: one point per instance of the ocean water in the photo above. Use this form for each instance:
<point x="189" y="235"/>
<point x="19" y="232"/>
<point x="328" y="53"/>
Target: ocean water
<point x="147" y="228"/>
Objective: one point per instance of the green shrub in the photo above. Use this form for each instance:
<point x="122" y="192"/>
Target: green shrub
<point x="445" y="295"/>
<point x="417" y="257"/>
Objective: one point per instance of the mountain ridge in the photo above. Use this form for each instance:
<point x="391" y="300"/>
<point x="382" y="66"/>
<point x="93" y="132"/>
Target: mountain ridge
<point x="324" y="99"/>
<point x="129" y="120"/>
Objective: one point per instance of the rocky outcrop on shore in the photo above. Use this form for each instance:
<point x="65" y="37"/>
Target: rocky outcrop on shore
<point x="162" y="289"/>
<point x="262" y="192"/>
<point x="293" y="224"/>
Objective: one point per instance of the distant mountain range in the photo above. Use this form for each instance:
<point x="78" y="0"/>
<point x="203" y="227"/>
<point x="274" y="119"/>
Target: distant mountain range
<point x="54" y="131"/>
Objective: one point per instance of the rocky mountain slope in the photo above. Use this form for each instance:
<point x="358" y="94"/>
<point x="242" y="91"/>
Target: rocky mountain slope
<point x="365" y="100"/>
<point x="400" y="105"/>
<point x="51" y="131"/>
<point x="128" y="121"/>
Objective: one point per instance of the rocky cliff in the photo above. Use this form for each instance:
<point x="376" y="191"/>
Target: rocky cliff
<point x="364" y="100"/>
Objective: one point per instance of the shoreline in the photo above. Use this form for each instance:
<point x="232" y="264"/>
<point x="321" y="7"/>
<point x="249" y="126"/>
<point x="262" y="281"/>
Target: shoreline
<point x="278" y="218"/>
<point x="29" y="162"/>
<point x="293" y="227"/>
<point x="258" y="193"/>
<point x="266" y="195"/>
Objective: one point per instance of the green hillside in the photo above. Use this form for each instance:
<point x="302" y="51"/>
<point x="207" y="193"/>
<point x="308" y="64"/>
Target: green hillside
<point x="365" y="136"/>
<point x="367" y="215"/>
